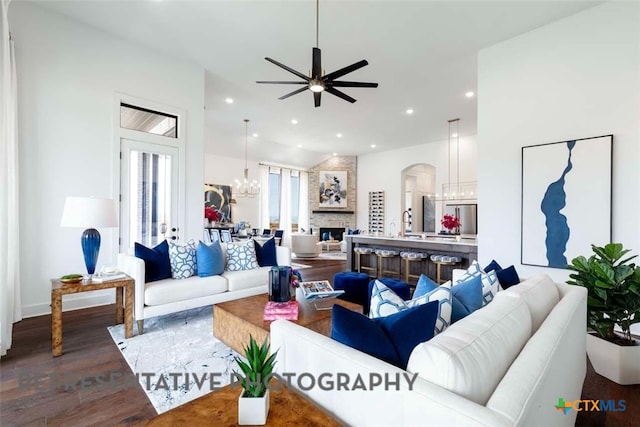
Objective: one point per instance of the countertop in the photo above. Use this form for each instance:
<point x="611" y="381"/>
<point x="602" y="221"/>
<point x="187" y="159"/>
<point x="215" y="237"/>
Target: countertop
<point x="466" y="240"/>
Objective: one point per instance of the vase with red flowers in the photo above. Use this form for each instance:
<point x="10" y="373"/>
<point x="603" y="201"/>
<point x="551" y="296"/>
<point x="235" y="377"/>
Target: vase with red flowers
<point x="211" y="216"/>
<point x="451" y="223"/>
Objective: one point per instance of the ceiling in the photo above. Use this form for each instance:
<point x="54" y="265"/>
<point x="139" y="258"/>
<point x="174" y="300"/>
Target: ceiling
<point x="422" y="54"/>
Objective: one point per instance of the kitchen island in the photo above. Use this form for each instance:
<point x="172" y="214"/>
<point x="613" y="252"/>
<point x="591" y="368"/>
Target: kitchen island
<point x="466" y="248"/>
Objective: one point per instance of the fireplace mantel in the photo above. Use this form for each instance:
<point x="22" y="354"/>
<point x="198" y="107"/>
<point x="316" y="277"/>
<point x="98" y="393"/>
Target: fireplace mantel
<point x="333" y="212"/>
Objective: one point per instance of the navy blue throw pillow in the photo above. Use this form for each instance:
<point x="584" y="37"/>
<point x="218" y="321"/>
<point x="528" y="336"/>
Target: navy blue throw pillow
<point x="466" y="298"/>
<point x="508" y="277"/>
<point x="391" y="338"/>
<point x="266" y="254"/>
<point x="493" y="265"/>
<point x="358" y="331"/>
<point x="156" y="261"/>
<point x="409" y="328"/>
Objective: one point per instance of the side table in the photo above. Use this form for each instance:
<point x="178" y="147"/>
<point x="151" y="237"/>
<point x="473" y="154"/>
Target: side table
<point x="58" y="289"/>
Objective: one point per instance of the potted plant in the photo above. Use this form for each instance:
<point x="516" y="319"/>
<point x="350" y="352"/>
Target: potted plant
<point x="613" y="286"/>
<point x="253" y="403"/>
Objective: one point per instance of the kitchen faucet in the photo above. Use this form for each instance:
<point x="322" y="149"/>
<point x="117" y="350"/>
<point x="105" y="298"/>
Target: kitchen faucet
<point x="405" y="223"/>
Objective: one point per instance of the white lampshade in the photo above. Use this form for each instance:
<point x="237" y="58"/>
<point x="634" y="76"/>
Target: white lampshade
<point x="89" y="212"/>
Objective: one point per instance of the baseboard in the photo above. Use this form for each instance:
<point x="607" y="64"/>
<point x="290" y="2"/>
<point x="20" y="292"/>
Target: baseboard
<point x="69" y="303"/>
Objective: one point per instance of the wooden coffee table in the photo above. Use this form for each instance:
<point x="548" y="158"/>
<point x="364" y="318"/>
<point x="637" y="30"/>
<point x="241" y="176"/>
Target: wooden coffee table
<point x="220" y="408"/>
<point x="234" y="321"/>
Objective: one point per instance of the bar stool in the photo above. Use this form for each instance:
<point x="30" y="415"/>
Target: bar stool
<point x="440" y="260"/>
<point x="412" y="258"/>
<point x="359" y="252"/>
<point x="388" y="255"/>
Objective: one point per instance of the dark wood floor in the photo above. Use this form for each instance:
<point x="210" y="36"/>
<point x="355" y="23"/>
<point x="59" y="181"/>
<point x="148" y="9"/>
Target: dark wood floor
<point x="89" y="352"/>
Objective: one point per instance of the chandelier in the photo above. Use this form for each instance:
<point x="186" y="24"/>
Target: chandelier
<point x="246" y="188"/>
<point x="455" y="190"/>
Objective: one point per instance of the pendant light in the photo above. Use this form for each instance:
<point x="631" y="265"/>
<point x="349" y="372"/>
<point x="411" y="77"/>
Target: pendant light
<point x="244" y="188"/>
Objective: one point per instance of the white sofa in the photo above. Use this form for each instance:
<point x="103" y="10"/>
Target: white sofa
<point x="504" y="365"/>
<point x="171" y="295"/>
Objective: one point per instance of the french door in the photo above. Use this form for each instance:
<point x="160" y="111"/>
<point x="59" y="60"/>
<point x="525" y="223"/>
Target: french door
<point x="150" y="179"/>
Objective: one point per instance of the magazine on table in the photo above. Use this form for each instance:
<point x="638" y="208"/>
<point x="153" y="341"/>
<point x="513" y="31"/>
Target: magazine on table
<point x="318" y="289"/>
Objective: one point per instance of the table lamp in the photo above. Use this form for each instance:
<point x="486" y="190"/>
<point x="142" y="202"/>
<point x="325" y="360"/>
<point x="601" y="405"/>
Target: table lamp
<point x="89" y="212"/>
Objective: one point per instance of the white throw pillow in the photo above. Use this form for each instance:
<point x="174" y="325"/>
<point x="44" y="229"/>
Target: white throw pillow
<point x="385" y="302"/>
<point x="242" y="257"/>
<point x="183" y="260"/>
<point x="490" y="283"/>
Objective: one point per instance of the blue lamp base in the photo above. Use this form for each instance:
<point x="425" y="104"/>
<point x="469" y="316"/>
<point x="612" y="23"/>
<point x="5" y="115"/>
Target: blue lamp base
<point x="90" y="242"/>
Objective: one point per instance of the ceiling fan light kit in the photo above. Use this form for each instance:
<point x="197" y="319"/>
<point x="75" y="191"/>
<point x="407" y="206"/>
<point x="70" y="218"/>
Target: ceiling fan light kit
<point x="318" y="83"/>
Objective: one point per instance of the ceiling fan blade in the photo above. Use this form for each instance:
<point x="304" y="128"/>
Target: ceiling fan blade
<point x="284" y="83"/>
<point x="346" y="70"/>
<point x="291" y="70"/>
<point x="295" y="92"/>
<point x="316" y="64"/>
<point x="339" y="94"/>
<point x="337" y="83"/>
<point x="316" y="98"/>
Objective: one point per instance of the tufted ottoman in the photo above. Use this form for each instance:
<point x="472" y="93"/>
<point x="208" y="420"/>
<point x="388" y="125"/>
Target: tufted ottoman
<point x="354" y="285"/>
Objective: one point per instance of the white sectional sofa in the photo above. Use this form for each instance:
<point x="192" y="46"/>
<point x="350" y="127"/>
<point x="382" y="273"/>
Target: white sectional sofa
<point x="505" y="364"/>
<point x="171" y="295"/>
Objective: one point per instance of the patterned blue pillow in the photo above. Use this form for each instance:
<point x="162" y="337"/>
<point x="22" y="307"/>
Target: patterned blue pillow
<point x="241" y="257"/>
<point x="490" y="283"/>
<point x="183" y="260"/>
<point x="385" y="302"/>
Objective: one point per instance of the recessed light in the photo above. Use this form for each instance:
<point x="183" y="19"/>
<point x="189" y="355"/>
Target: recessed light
<point x="229" y="100"/>
<point x="299" y="145"/>
<point x="409" y="111"/>
<point x="469" y="94"/>
<point x="454" y="135"/>
<point x="373" y="145"/>
<point x="335" y="154"/>
<point x="339" y="135"/>
<point x="294" y="122"/>
<point x="255" y="135"/>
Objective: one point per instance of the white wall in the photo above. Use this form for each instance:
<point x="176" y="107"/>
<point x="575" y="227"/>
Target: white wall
<point x="224" y="171"/>
<point x="382" y="172"/>
<point x="575" y="78"/>
<point x="67" y="76"/>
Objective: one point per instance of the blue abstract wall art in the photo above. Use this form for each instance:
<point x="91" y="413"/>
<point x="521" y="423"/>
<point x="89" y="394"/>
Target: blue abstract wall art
<point x="566" y="200"/>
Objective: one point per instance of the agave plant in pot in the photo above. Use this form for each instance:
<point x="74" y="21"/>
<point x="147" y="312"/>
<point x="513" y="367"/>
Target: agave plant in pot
<point x="613" y="286"/>
<point x="253" y="403"/>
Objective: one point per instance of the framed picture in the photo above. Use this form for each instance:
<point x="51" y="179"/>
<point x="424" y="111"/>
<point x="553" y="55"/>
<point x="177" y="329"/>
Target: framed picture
<point x="333" y="189"/>
<point x="225" y="236"/>
<point x="566" y="200"/>
<point x="215" y="234"/>
<point x="219" y="198"/>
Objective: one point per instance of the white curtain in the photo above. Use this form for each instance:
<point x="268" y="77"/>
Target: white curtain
<point x="264" y="197"/>
<point x="303" y="205"/>
<point x="285" y="206"/>
<point x="9" y="241"/>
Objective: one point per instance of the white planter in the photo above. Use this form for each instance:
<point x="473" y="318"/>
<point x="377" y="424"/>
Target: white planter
<point x="253" y="411"/>
<point x="618" y="363"/>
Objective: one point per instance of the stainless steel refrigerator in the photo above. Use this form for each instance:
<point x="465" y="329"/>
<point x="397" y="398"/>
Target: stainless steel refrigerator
<point x="468" y="214"/>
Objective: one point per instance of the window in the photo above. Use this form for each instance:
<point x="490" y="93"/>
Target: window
<point x="274" y="197"/>
<point x="149" y="121"/>
<point x="295" y="199"/>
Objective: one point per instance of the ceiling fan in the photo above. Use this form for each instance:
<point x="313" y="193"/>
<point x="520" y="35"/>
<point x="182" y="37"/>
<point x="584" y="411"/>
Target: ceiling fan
<point x="318" y="83"/>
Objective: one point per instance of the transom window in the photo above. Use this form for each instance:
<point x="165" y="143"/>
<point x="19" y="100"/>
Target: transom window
<point x="149" y="121"/>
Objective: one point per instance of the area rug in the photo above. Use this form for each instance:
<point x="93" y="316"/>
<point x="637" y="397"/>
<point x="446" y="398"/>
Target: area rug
<point x="333" y="255"/>
<point x="177" y="357"/>
<point x="299" y="266"/>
